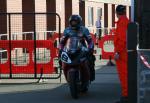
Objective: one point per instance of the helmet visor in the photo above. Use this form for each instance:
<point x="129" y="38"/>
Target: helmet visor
<point x="74" y="23"/>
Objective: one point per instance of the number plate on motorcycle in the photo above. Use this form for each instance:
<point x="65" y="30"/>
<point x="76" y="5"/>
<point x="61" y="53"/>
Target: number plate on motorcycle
<point x="65" y="58"/>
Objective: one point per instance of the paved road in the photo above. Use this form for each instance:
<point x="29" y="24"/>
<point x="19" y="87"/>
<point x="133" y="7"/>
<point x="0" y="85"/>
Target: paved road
<point x="105" y="89"/>
<point x="97" y="94"/>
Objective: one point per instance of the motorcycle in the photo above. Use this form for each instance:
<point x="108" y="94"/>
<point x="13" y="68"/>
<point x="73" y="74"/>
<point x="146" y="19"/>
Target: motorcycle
<point x="72" y="57"/>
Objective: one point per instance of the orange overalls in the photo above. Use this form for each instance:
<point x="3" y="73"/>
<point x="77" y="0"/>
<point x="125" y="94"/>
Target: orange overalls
<point x="120" y="43"/>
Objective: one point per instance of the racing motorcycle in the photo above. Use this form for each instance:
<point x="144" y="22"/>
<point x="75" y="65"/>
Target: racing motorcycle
<point x="72" y="56"/>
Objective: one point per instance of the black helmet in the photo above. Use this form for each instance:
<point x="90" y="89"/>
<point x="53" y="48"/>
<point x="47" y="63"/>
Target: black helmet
<point x="77" y="19"/>
<point x="120" y="9"/>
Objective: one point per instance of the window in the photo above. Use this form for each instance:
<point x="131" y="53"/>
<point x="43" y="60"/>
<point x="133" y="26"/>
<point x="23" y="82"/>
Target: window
<point x="99" y="12"/>
<point x="90" y="16"/>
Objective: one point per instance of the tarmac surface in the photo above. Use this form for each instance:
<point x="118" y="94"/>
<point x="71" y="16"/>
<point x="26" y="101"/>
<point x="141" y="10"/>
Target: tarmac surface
<point x="105" y="89"/>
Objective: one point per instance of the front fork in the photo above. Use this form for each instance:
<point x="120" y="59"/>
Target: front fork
<point x="74" y="72"/>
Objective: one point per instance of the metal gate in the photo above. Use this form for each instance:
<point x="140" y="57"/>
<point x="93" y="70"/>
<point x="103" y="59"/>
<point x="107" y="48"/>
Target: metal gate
<point x="28" y="47"/>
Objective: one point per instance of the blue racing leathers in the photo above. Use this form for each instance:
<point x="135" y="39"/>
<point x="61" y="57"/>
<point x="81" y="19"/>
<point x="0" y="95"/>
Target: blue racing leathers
<point x="82" y="32"/>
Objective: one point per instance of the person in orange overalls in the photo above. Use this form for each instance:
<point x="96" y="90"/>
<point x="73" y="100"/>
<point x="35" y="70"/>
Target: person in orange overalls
<point x="121" y="51"/>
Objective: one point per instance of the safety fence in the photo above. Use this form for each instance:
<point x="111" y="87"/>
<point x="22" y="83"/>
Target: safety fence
<point x="143" y="75"/>
<point x="105" y="31"/>
<point x="29" y="48"/>
<point x="101" y="32"/>
<point x="105" y="41"/>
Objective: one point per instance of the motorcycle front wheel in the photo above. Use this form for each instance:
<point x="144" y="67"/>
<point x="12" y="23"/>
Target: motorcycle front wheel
<point x="73" y="83"/>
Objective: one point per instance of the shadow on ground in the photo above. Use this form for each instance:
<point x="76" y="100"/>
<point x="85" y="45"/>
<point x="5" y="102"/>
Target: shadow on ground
<point x="105" y="89"/>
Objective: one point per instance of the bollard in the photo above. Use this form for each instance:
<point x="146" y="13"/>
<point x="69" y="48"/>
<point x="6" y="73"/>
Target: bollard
<point x="132" y="62"/>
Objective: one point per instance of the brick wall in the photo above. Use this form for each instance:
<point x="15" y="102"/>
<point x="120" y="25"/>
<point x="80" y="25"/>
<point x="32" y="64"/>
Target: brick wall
<point x="75" y="6"/>
<point x="40" y="6"/>
<point x="109" y="15"/>
<point x="16" y="20"/>
<point x="3" y="19"/>
<point x="61" y="11"/>
<point x="14" y="6"/>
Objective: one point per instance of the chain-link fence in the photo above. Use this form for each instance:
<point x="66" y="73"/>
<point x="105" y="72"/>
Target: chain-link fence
<point x="27" y="48"/>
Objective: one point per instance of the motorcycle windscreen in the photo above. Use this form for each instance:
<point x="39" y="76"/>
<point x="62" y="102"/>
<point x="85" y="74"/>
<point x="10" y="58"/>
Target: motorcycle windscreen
<point x="73" y="44"/>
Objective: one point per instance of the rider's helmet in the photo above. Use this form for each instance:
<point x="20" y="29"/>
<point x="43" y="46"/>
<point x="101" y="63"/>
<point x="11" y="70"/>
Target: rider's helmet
<point x="120" y="9"/>
<point x="75" y="21"/>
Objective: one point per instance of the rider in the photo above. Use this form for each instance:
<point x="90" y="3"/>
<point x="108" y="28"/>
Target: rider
<point x="76" y="29"/>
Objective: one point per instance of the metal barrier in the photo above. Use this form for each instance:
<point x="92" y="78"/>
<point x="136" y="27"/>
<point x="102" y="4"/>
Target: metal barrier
<point x="30" y="54"/>
<point x="143" y="75"/>
<point x="3" y="35"/>
<point x="105" y="42"/>
<point x="107" y="53"/>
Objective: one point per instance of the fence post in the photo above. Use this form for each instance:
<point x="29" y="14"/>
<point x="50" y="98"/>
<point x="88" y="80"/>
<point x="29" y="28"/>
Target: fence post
<point x="35" y="62"/>
<point x="16" y="54"/>
<point x="44" y="48"/>
<point x="9" y="25"/>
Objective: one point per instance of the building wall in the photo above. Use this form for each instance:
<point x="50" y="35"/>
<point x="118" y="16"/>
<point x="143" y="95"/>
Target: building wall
<point x="127" y="11"/>
<point x="125" y="2"/>
<point x="75" y="7"/>
<point x="42" y="6"/>
<point x="3" y="19"/>
<point x="16" y="22"/>
<point x="82" y="11"/>
<point x="51" y="19"/>
<point x="109" y="15"/>
<point x="60" y="9"/>
<point x="28" y="20"/>
<point x="95" y="6"/>
<point x="105" y="23"/>
<point x="68" y="11"/>
<point x="12" y="7"/>
<point x="113" y="15"/>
